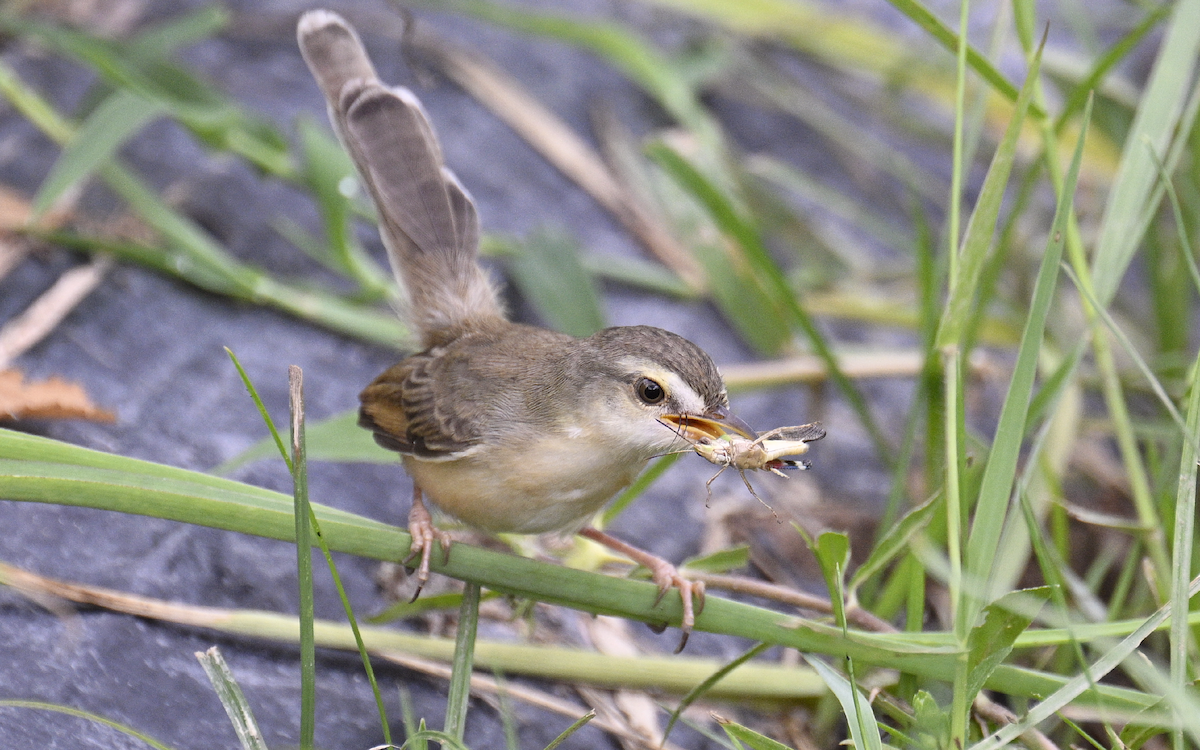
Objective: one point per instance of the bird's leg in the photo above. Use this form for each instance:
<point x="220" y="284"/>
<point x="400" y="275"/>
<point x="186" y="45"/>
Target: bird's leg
<point x="663" y="573"/>
<point x="420" y="526"/>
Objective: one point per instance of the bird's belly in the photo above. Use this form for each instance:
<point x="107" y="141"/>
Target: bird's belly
<point x="541" y="489"/>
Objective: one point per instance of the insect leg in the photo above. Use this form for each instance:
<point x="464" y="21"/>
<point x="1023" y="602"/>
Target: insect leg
<point x="708" y="485"/>
<point x="756" y="497"/>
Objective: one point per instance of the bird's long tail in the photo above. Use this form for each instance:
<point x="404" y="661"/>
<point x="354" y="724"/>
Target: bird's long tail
<point x="426" y="218"/>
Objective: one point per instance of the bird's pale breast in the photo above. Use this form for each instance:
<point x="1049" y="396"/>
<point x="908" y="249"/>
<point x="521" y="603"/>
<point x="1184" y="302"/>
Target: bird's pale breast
<point x="550" y="483"/>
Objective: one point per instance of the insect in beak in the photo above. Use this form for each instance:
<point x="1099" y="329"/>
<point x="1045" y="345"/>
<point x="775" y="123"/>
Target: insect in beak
<point x="710" y="426"/>
<point x="770" y="451"/>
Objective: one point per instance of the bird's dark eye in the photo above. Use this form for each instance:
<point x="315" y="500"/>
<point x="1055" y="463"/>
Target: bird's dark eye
<point x="649" y="391"/>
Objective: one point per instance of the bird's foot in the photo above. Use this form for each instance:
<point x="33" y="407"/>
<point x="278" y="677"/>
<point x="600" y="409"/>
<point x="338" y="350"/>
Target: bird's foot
<point x="665" y="575"/>
<point x="420" y="526"/>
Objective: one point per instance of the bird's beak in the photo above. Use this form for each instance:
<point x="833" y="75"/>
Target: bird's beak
<point x="714" y="424"/>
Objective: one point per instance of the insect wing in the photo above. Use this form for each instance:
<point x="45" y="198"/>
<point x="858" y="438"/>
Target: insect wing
<point x="805" y="433"/>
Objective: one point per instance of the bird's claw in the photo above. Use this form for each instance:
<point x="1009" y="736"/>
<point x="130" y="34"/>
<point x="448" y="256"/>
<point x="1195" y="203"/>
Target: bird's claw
<point x="665" y="575"/>
<point x="423" y="532"/>
<point x="691" y="594"/>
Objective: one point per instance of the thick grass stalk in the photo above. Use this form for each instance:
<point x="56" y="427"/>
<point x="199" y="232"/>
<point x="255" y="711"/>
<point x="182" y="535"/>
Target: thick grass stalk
<point x="952" y="388"/>
<point x="308" y="653"/>
<point x="92" y="479"/>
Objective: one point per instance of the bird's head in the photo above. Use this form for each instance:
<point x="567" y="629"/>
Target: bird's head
<point x="652" y="391"/>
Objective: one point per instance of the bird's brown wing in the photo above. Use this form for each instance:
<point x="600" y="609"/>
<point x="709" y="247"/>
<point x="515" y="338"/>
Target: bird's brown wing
<point x="411" y="414"/>
<point x="434" y="405"/>
<point x="445" y="402"/>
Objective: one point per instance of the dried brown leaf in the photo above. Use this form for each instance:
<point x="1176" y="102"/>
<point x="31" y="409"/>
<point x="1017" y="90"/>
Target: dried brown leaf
<point x="53" y="398"/>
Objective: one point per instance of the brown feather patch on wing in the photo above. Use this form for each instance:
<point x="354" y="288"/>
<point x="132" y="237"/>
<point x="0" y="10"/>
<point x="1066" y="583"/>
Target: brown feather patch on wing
<point x="410" y="414"/>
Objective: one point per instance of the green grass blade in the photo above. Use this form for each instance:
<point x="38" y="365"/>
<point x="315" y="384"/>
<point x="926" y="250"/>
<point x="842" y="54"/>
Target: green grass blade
<point x="741" y="300"/>
<point x="894" y="541"/>
<point x="741" y="294"/>
<point x="208" y="264"/>
<point x="934" y="26"/>
<point x="864" y="728"/>
<point x="262" y="409"/>
<point x="659" y="76"/>
<point x="232" y="278"/>
<point x="630" y="271"/>
<point x="991" y="641"/>
<point x="1182" y="549"/>
<point x="463" y="665"/>
<point x="982" y="224"/>
<point x="721" y="561"/>
<point x="508" y="719"/>
<point x="208" y="113"/>
<point x="1156" y="122"/>
<point x="1106" y="62"/>
<point x="1077" y="685"/>
<point x="233" y="699"/>
<point x="302" y="513"/>
<point x="175" y="228"/>
<point x="444" y="739"/>
<point x="837" y="39"/>
<point x="829" y="199"/>
<point x="638" y="273"/>
<point x="181" y="31"/>
<point x="353" y="621"/>
<point x="739" y="734"/>
<point x="633" y="491"/>
<point x="150" y="476"/>
<point x="832" y="550"/>
<point x="411" y="726"/>
<point x="1130" y="349"/>
<point x="89" y="716"/>
<point x="702" y="689"/>
<point x="571" y="729"/>
<point x="963" y="270"/>
<point x="95" y="141"/>
<point x="426" y="603"/>
<point x="1001" y="469"/>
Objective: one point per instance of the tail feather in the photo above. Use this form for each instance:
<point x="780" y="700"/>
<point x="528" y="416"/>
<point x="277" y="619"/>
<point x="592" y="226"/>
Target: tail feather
<point x="427" y="220"/>
<point x="466" y="220"/>
<point x="334" y="54"/>
<point x="385" y="126"/>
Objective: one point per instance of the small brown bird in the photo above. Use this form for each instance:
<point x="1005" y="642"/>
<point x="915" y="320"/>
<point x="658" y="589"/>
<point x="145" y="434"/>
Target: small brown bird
<point x="507" y="427"/>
